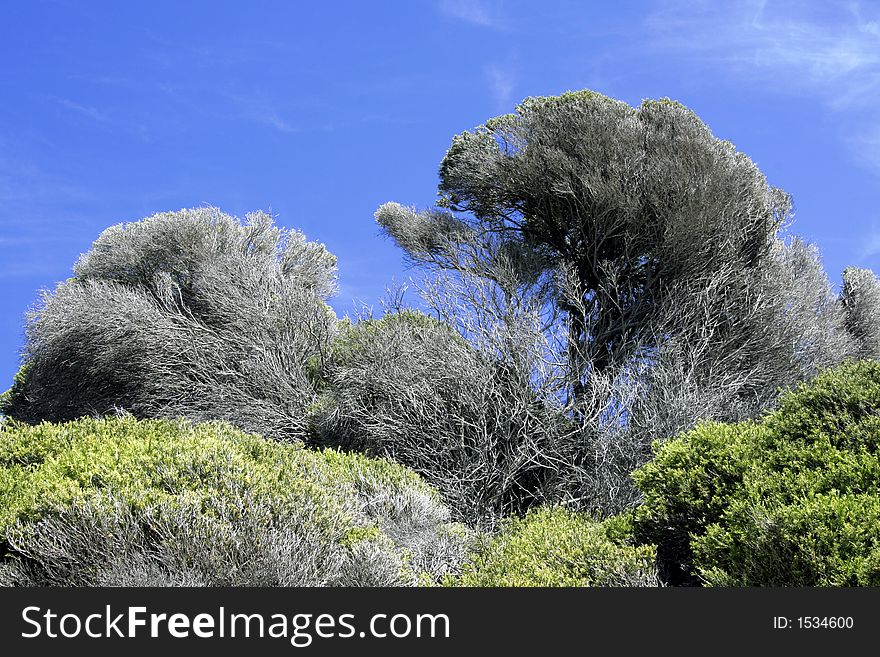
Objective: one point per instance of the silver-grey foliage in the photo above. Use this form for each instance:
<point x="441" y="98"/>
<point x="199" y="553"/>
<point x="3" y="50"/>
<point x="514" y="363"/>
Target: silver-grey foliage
<point x="647" y="252"/>
<point x="190" y="313"/>
<point x="99" y="543"/>
<point x="410" y="388"/>
<point x="808" y="314"/>
<point x="629" y="201"/>
<point x="244" y="542"/>
<point x="723" y="352"/>
<point x="861" y="301"/>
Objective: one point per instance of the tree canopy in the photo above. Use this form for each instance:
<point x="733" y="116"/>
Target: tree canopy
<point x="632" y="202"/>
<point x="635" y="226"/>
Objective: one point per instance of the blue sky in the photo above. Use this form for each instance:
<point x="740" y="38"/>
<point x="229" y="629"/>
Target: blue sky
<point x="111" y="111"/>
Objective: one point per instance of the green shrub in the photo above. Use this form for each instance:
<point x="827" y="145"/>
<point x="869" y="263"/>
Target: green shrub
<point x="120" y="501"/>
<point x="13" y="395"/>
<point x="552" y="546"/>
<point x="790" y="500"/>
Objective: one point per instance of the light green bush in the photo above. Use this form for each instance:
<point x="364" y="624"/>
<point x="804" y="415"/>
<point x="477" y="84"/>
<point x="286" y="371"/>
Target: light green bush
<point x="790" y="500"/>
<point x="552" y="546"/>
<point x="120" y="501"/>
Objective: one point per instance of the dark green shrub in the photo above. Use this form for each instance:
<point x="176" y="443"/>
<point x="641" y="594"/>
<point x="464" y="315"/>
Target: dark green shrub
<point x="790" y="500"/>
<point x="13" y="396"/>
<point x="117" y="501"/>
<point x="553" y="546"/>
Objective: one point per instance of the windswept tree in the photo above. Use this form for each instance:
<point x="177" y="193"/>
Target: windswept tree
<point x="629" y="203"/>
<point x="650" y="253"/>
<point x="191" y="313"/>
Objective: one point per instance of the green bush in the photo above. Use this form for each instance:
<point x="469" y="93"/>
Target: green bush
<point x="790" y="500"/>
<point x="13" y="395"/>
<point x="552" y="546"/>
<point x="120" y="501"/>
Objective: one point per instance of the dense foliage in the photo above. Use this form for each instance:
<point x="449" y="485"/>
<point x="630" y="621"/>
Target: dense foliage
<point x="123" y="502"/>
<point x="861" y="298"/>
<point x="410" y="388"/>
<point x="792" y="499"/>
<point x="557" y="547"/>
<point x="651" y="254"/>
<point x="600" y="278"/>
<point x="190" y="313"/>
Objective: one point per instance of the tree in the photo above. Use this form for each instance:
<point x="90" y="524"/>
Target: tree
<point x="190" y="313"/>
<point x="629" y="204"/>
<point x="861" y="301"/>
<point x="649" y="253"/>
<point x="746" y="335"/>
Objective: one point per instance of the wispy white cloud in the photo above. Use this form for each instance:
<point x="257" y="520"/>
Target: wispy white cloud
<point x="501" y="82"/>
<point x="105" y="118"/>
<point x="868" y="249"/>
<point x="22" y="181"/>
<point x="268" y="116"/>
<point x="229" y="104"/>
<point x="258" y="110"/>
<point x="35" y="268"/>
<point x="204" y="51"/>
<point x="83" y="110"/>
<point x="829" y="51"/>
<point x="476" y="12"/>
<point x="18" y="240"/>
<point x="834" y="55"/>
<point x="865" y="143"/>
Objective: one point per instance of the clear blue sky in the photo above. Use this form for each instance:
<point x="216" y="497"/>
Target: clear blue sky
<point x="111" y="111"/>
